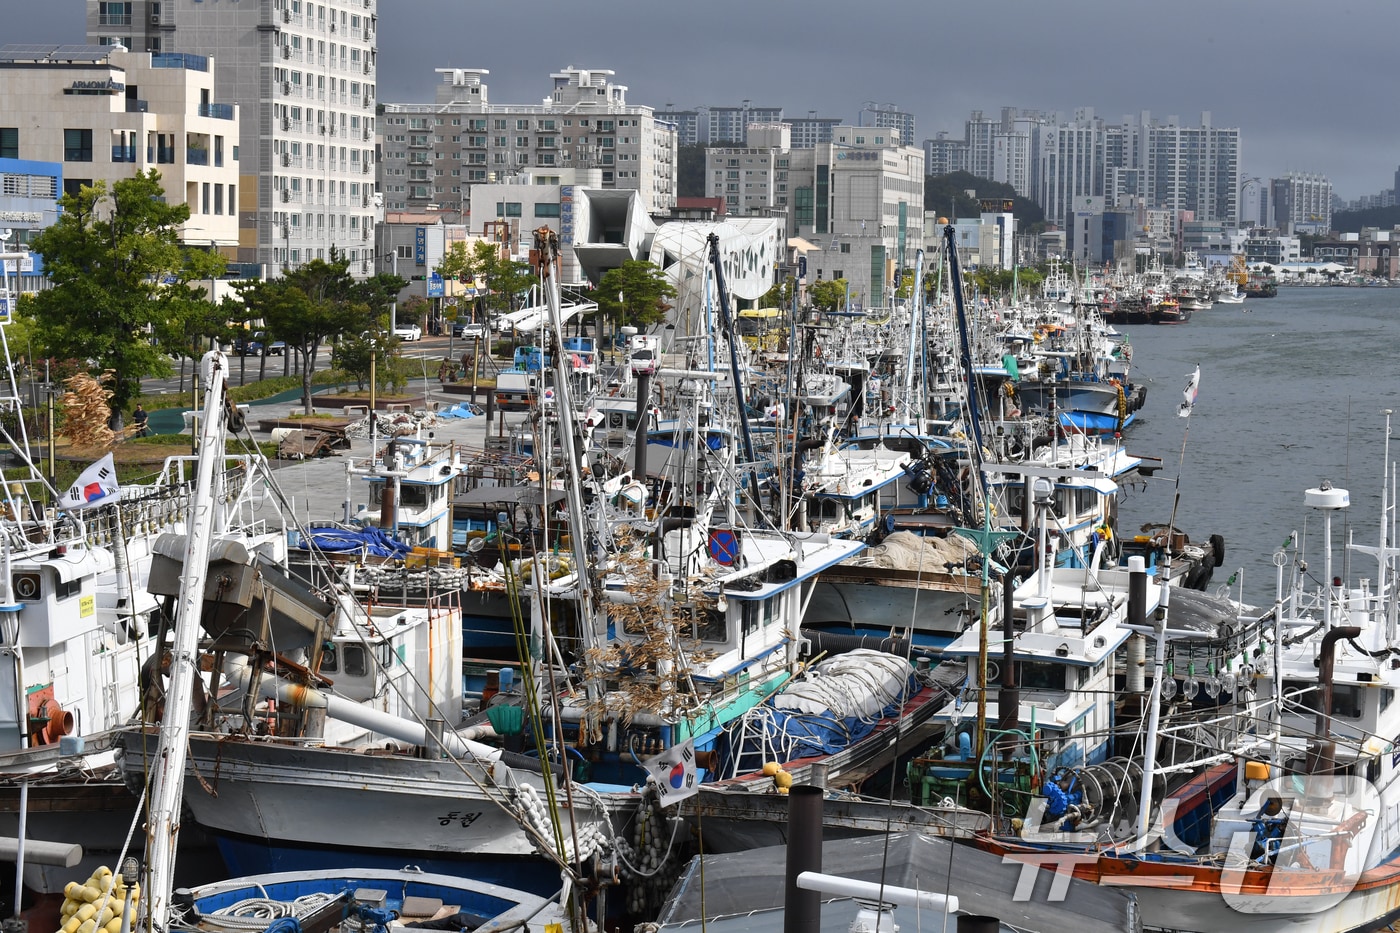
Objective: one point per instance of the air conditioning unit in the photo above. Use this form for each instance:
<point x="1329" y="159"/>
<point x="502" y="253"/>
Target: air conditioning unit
<point x="286" y="51"/>
<point x="286" y="123"/>
<point x="366" y="67"/>
<point x="286" y="87"/>
<point x="286" y="194"/>
<point x="332" y="25"/>
<point x="332" y="129"/>
<point x="286" y="158"/>
<point x="367" y="101"/>
<point x="366" y="168"/>
<point x="286" y="16"/>
<point x="323" y="129"/>
<point x="155" y="19"/>
<point x="286" y="233"/>
<point x="366" y="134"/>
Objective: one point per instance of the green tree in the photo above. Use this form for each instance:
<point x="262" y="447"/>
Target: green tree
<point x="780" y="295"/>
<point x="634" y="293"/>
<point x="353" y="355"/>
<point x="126" y="293"/>
<point x="827" y="294"/>
<point x="499" y="279"/>
<point x="316" y="303"/>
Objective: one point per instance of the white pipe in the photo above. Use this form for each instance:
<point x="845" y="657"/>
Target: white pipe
<point x="872" y="891"/>
<point x="39" y="852"/>
<point x="457" y="744"/>
<point x="19" y="844"/>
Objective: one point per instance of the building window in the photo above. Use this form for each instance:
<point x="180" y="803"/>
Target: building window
<point x="508" y="209"/>
<point x="546" y="210"/>
<point x="77" y="145"/>
<point x="9" y="142"/>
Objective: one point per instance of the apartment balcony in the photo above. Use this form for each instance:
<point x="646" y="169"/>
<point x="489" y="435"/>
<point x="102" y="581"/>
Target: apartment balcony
<point x="196" y="156"/>
<point x="114" y="19"/>
<point x="135" y="105"/>
<point x="123" y="153"/>
<point x="216" y="111"/>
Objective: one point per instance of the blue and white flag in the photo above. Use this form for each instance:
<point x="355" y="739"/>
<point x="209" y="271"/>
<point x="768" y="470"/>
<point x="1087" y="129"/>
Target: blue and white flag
<point x="96" y="486"/>
<point x="1193" y="382"/>
<point x="673" y="773"/>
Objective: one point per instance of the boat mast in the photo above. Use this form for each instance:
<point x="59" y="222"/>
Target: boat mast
<point x="916" y="335"/>
<point x="168" y="773"/>
<point x="727" y="323"/>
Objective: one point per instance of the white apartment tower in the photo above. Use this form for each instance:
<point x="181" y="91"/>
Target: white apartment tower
<point x="303" y="75"/>
<point x="1302" y="203"/>
<point x="584" y="131"/>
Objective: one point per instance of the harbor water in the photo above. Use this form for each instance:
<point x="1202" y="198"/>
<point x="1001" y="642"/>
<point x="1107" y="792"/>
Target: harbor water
<point x="1292" y="392"/>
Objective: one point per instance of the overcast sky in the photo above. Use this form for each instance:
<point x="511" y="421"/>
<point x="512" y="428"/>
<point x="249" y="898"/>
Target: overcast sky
<point x="1305" y="82"/>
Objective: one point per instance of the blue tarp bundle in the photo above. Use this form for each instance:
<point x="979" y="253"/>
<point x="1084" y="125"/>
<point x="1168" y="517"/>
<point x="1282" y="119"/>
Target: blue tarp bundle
<point x="370" y="540"/>
<point x="460" y="410"/>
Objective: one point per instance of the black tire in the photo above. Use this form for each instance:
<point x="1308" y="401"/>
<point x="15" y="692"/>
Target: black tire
<point x="1217" y="547"/>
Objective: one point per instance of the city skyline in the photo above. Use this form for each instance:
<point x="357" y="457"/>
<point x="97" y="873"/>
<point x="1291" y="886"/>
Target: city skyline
<point x="1269" y="70"/>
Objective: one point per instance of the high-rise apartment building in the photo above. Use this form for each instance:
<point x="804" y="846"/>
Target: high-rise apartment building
<point x="1302" y="203"/>
<point x="304" y="77"/>
<point x="888" y="116"/>
<point x="943" y="155"/>
<point x="432" y="154"/>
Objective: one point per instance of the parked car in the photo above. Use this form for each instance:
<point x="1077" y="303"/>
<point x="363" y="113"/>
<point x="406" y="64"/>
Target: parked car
<point x="468" y="330"/>
<point x="257" y="345"/>
<point x="408" y="331"/>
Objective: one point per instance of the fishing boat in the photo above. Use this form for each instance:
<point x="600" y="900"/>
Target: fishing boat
<point x="1288" y="816"/>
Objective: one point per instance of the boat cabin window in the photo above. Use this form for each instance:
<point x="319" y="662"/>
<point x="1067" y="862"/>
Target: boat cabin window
<point x="1306" y="696"/>
<point x="1040" y="675"/>
<point x="1387" y="697"/>
<point x="63" y="589"/>
<point x="710" y="625"/>
<point x="832" y="509"/>
<point x="351" y="660"/>
<point x="413" y="494"/>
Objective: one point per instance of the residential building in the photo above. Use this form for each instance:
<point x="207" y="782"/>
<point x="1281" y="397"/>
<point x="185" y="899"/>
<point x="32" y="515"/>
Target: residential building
<point x="1069" y="165"/>
<point x="305" y="76"/>
<point x="434" y="154"/>
<point x="1302" y="203"/>
<point x="753" y="180"/>
<point x="890" y="117"/>
<point x="943" y="155"/>
<point x="811" y="131"/>
<point x="730" y="125"/>
<point x="108" y="114"/>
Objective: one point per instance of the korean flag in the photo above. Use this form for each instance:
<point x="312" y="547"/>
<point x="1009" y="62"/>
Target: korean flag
<point x="96" y="486"/>
<point x="673" y="773"/>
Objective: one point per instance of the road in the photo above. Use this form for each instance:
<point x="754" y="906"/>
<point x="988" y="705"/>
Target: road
<point x="245" y="369"/>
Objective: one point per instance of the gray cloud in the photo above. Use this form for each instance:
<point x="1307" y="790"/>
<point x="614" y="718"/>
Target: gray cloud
<point x="1282" y="70"/>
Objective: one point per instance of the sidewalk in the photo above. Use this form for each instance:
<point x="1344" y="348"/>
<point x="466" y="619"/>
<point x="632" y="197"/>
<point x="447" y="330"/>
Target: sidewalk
<point x="317" y="489"/>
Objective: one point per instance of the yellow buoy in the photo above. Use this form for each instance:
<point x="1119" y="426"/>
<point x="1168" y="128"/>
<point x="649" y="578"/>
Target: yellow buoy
<point x="771" y="768"/>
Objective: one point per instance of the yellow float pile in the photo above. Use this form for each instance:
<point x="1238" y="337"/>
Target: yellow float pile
<point x="95" y="905"/>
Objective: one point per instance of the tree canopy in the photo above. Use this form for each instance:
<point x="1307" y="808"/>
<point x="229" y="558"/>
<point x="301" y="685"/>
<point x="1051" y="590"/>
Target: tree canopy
<point x="317" y="302"/>
<point x="947" y="194"/>
<point x="126" y="294"/>
<point x="828" y="294"/>
<point x="635" y="293"/>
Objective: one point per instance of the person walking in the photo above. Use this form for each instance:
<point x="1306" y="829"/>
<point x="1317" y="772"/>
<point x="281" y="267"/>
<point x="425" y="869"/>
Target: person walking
<point x="138" y="417"/>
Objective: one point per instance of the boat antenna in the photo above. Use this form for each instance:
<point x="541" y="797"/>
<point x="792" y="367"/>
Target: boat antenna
<point x="1154" y="703"/>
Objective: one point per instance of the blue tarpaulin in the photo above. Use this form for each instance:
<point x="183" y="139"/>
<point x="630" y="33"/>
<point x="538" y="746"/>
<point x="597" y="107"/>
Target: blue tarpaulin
<point x="460" y="410"/>
<point x="370" y="540"/>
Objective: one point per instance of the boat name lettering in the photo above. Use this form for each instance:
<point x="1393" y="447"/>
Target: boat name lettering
<point x="466" y="819"/>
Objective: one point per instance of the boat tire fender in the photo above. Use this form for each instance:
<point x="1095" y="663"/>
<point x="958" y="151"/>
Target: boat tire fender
<point x="1217" y="547"/>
